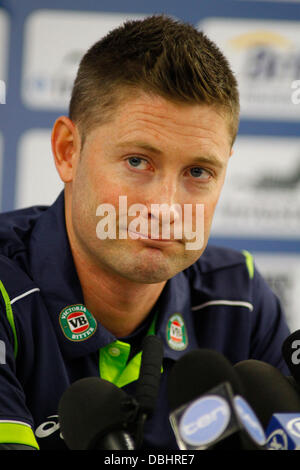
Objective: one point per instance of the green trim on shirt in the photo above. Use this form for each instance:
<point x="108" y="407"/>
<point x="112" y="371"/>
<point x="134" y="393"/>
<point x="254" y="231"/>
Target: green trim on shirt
<point x="17" y="433"/>
<point x="10" y="316"/>
<point x="249" y="263"/>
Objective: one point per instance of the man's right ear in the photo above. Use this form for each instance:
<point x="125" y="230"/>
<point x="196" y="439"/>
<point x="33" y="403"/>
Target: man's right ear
<point x="65" y="142"/>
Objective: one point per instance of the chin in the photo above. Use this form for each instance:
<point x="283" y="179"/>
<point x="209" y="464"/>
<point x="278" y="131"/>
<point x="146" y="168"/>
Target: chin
<point x="150" y="276"/>
<point x="147" y="266"/>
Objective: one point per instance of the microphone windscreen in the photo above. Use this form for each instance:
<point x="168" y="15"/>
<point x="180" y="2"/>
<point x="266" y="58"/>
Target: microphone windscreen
<point x="150" y="373"/>
<point x="267" y="390"/>
<point x="196" y="373"/>
<point x="293" y="383"/>
<point x="90" y="408"/>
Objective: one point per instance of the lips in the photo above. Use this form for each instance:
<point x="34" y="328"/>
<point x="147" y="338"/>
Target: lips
<point x="138" y="235"/>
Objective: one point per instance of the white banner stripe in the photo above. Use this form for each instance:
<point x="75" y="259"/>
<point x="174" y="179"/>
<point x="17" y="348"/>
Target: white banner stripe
<point x="234" y="303"/>
<point x="36" y="289"/>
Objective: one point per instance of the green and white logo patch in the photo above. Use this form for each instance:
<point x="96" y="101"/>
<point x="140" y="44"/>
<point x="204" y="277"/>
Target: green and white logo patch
<point x="77" y="323"/>
<point x="176" y="333"/>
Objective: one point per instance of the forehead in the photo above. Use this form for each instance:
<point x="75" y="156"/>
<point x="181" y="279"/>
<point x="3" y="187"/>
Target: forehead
<point x="158" y="119"/>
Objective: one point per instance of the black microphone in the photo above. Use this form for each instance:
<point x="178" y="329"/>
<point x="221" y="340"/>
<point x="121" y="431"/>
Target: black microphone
<point x="291" y="354"/>
<point x="208" y="410"/>
<point x="267" y="390"/>
<point x="150" y="374"/>
<point x="95" y="414"/>
<point x="293" y="383"/>
<point x="197" y="372"/>
<point x="148" y="381"/>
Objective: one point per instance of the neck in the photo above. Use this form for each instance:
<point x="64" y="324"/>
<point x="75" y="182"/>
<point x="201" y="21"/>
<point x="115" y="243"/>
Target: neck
<point x="119" y="304"/>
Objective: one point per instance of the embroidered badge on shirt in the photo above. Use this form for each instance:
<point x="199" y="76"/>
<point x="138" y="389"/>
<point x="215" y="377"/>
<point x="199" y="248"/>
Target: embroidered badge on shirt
<point x="176" y="333"/>
<point x="77" y="322"/>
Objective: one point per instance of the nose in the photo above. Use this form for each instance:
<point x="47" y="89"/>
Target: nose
<point x="164" y="209"/>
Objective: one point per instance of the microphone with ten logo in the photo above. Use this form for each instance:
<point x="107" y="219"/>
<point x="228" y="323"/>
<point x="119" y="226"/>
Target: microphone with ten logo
<point x="208" y="410"/>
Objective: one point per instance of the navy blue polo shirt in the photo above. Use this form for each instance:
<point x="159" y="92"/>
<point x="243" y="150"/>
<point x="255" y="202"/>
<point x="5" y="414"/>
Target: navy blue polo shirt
<point x="48" y="339"/>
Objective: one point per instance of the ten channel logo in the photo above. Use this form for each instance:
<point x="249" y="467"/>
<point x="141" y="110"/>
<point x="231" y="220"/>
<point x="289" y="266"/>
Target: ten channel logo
<point x="206" y="419"/>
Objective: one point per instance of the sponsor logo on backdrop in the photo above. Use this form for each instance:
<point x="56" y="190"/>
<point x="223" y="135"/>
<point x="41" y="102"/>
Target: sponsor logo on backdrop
<point x="4" y="34"/>
<point x="50" y="66"/>
<point x="2" y="92"/>
<point x="296" y="93"/>
<point x="37" y="181"/>
<point x="261" y="196"/>
<point x="265" y="55"/>
<point x="282" y="273"/>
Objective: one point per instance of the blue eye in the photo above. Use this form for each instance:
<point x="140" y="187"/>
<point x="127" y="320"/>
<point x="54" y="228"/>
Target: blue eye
<point x="138" y="162"/>
<point x="134" y="161"/>
<point x="197" y="171"/>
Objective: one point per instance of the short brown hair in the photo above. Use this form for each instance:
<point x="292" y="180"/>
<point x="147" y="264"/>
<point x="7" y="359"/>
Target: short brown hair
<point x="157" y="55"/>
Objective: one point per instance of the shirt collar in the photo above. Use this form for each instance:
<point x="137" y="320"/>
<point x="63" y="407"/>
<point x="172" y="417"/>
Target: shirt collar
<point x="54" y="272"/>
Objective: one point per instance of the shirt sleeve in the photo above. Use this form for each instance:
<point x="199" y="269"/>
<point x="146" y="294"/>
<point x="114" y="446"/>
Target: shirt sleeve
<point x="16" y="423"/>
<point x="270" y="327"/>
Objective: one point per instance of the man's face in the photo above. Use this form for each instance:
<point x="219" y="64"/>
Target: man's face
<point x="152" y="152"/>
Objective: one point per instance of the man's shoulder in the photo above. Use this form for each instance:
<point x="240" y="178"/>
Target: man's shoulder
<point x="16" y="227"/>
<point x="13" y="278"/>
<point x="222" y="272"/>
<point x="217" y="258"/>
<point x="15" y="232"/>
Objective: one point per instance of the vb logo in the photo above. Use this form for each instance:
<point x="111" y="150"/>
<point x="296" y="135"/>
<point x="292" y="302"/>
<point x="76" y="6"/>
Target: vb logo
<point x="2" y="92"/>
<point x="78" y="322"/>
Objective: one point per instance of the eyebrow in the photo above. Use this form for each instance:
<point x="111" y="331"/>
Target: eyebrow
<point x="143" y="145"/>
<point x="206" y="159"/>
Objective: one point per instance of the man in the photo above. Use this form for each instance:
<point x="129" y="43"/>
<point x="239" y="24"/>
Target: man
<point x="153" y="117"/>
